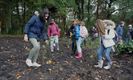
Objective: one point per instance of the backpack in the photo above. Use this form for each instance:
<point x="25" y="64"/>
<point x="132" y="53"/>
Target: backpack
<point x="83" y="32"/>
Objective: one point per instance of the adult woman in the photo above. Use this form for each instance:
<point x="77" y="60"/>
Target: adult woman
<point x="34" y="33"/>
<point x="107" y="33"/>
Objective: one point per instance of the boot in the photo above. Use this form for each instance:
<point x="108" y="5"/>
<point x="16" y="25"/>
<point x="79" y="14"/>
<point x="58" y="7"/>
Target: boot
<point x="79" y="55"/>
<point x="100" y="64"/>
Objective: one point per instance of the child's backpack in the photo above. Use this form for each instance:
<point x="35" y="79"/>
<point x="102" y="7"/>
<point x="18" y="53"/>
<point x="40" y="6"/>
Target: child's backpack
<point x="83" y="32"/>
<point x="77" y="32"/>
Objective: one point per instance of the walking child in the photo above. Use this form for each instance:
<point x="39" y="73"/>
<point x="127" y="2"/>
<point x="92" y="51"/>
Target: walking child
<point x="53" y="34"/>
<point x="83" y="35"/>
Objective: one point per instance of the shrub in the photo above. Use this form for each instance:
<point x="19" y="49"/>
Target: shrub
<point x="125" y="48"/>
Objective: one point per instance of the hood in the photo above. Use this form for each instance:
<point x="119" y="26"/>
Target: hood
<point x="109" y="24"/>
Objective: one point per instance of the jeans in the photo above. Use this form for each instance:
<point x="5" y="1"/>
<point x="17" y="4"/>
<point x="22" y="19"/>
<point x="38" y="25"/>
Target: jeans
<point x="54" y="41"/>
<point x="107" y="51"/>
<point x="78" y="43"/>
<point x="34" y="52"/>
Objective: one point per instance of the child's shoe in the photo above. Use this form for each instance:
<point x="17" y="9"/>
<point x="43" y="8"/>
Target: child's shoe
<point x="78" y="55"/>
<point x="58" y="49"/>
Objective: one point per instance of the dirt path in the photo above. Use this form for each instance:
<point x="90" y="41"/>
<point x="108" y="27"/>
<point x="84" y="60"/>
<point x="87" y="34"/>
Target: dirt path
<point x="59" y="65"/>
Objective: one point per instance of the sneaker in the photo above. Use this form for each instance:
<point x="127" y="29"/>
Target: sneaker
<point x="28" y="62"/>
<point x="107" y="67"/>
<point x="36" y="64"/>
<point x="54" y="45"/>
<point x="58" y="49"/>
<point x="52" y="50"/>
<point x="100" y="64"/>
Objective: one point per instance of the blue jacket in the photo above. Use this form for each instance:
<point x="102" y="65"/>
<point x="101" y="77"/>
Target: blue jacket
<point x="35" y="28"/>
<point x="77" y="32"/>
<point x="119" y="30"/>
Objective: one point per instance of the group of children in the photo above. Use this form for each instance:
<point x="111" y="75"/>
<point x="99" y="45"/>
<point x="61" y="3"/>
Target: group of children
<point x="34" y="32"/>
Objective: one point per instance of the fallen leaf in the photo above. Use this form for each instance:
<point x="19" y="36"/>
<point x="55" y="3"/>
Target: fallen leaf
<point x="50" y="62"/>
<point x="18" y="75"/>
<point x="29" y="69"/>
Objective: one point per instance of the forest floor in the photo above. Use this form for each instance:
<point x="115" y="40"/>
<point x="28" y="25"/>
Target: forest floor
<point x="60" y="65"/>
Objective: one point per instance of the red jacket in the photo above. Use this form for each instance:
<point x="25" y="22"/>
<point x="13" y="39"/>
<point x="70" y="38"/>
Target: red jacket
<point x="53" y="30"/>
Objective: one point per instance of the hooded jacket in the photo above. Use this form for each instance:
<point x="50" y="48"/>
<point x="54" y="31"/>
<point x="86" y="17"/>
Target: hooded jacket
<point x="35" y="28"/>
<point x="107" y="39"/>
<point x="53" y="29"/>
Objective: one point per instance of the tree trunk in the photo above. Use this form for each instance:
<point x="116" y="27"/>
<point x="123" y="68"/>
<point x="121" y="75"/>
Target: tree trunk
<point x="88" y="9"/>
<point x="79" y="9"/>
<point x="108" y="11"/>
<point x="97" y="11"/>
<point x="8" y="19"/>
<point x="82" y="9"/>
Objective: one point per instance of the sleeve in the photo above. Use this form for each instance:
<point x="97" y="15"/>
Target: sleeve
<point x="77" y="31"/>
<point x="29" y="23"/>
<point x="57" y="27"/>
<point x="111" y="35"/>
<point x="121" y="31"/>
<point x="118" y="29"/>
<point x="49" y="31"/>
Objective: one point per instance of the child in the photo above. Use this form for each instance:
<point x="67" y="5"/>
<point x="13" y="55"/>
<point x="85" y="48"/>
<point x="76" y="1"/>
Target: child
<point x="53" y="34"/>
<point x="75" y="35"/>
<point x="129" y="32"/>
<point x="107" y="33"/>
<point x="69" y="33"/>
<point x="83" y="35"/>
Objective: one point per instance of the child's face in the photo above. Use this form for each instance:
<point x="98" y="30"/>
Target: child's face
<point x="74" y="22"/>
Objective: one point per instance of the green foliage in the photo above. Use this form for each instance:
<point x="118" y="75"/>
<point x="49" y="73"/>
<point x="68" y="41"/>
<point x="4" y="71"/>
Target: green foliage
<point x="87" y="10"/>
<point x="125" y="48"/>
<point x="92" y="43"/>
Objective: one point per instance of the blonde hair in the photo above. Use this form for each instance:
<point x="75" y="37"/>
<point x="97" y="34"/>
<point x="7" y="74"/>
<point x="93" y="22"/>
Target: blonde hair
<point x="100" y="27"/>
<point x="82" y="23"/>
<point x="76" y="21"/>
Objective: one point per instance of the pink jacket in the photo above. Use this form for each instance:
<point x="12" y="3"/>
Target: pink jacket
<point x="53" y="30"/>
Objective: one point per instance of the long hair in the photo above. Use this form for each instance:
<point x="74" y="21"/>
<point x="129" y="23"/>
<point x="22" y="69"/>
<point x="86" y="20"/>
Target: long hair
<point x="43" y="12"/>
<point x="100" y="27"/>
